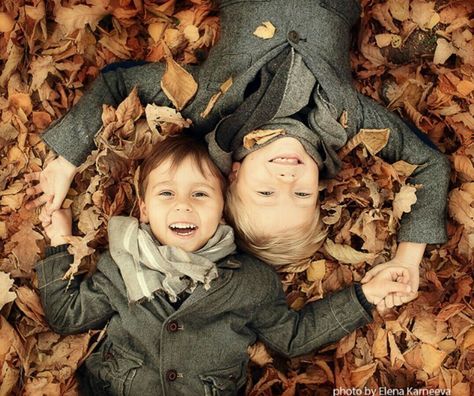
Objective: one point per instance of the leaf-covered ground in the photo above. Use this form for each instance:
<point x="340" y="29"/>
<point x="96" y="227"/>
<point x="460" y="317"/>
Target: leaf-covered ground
<point x="414" y="56"/>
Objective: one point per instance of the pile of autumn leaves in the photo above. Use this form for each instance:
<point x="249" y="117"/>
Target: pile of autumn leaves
<point x="427" y="343"/>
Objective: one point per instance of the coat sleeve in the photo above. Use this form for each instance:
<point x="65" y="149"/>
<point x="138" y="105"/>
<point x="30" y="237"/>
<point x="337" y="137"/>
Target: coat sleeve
<point x="72" y="136"/>
<point x="426" y="223"/>
<point x="72" y="306"/>
<point x="319" y="323"/>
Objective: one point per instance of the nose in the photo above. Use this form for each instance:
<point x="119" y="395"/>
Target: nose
<point x="183" y="206"/>
<point x="285" y="173"/>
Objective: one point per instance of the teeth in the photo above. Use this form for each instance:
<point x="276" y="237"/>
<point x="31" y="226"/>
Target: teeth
<point x="286" y="160"/>
<point x="183" y="226"/>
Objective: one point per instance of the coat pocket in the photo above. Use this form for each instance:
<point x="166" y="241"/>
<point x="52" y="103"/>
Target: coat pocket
<point x="119" y="368"/>
<point x="223" y="382"/>
<point x="348" y="10"/>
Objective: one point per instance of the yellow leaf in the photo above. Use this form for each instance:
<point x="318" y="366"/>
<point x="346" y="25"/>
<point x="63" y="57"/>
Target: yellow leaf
<point x="403" y="201"/>
<point x="379" y="348"/>
<point x="443" y="51"/>
<point x="316" y="270"/>
<point x="465" y="87"/>
<point x="6" y="22"/>
<point x="14" y="58"/>
<point x="258" y="354"/>
<point x="177" y="84"/>
<point x="396" y="357"/>
<point x="260" y="136"/>
<point x="265" y="31"/>
<point x="346" y="254"/>
<point x="383" y="39"/>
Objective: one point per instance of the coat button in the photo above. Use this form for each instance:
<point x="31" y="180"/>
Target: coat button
<point x="172" y="326"/>
<point x="171" y="375"/>
<point x="294" y="36"/>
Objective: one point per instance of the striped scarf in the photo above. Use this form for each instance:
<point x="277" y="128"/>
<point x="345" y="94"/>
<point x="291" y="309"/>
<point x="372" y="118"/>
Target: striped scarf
<point x="148" y="267"/>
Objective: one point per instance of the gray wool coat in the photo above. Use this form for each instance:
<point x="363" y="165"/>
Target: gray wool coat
<point x="198" y="349"/>
<point x="319" y="31"/>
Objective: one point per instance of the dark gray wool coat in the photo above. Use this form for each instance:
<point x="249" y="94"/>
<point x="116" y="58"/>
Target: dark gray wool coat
<point x="199" y="348"/>
<point x="318" y="32"/>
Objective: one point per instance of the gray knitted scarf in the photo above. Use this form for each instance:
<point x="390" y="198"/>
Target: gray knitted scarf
<point x="148" y="267"/>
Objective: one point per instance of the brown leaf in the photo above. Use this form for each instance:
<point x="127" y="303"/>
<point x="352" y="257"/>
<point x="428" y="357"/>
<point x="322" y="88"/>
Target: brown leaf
<point x="259" y="355"/>
<point x="444" y="50"/>
<point x="222" y="90"/>
<point x="432" y="358"/>
<point x="261" y="136"/>
<point x="78" y="16"/>
<point x="403" y="201"/>
<point x="316" y="270"/>
<point x="26" y="236"/>
<point x="345" y="253"/>
<point x="177" y="84"/>
<point x="360" y="375"/>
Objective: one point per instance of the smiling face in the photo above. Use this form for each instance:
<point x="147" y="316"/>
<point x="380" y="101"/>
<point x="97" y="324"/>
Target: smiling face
<point x="182" y="205"/>
<point x="278" y="184"/>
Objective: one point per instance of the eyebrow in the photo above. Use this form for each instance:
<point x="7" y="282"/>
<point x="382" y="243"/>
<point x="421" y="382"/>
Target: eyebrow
<point x="195" y="185"/>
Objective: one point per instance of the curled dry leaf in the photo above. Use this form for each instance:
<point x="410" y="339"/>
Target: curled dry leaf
<point x="265" y="31"/>
<point x="259" y="355"/>
<point x="261" y="136"/>
<point x="6" y="22"/>
<point x="158" y="117"/>
<point x="444" y="49"/>
<point x="78" y="16"/>
<point x="222" y="90"/>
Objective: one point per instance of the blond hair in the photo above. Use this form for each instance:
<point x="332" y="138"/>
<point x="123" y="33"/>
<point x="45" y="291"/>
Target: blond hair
<point x="277" y="250"/>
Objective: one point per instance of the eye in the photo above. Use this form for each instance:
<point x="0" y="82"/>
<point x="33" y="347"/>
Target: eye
<point x="165" y="194"/>
<point x="265" y="193"/>
<point x="302" y="194"/>
<point x="200" y="194"/>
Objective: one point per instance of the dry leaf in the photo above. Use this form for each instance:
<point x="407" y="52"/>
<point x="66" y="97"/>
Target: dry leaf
<point x="78" y="16"/>
<point x="400" y="9"/>
<point x="6" y="284"/>
<point x="6" y="22"/>
<point x="261" y="136"/>
<point x="177" y="84"/>
<point x="259" y="355"/>
<point x="222" y="90"/>
<point x="444" y="49"/>
<point x="403" y="201"/>
<point x="265" y="31"/>
<point x="346" y="254"/>
<point x="316" y="270"/>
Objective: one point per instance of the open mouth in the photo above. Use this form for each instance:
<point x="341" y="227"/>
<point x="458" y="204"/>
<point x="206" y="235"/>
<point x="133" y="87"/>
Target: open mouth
<point x="287" y="159"/>
<point x="183" y="229"/>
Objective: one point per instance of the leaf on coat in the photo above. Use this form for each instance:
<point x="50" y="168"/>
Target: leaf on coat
<point x="79" y="248"/>
<point x="345" y="253"/>
<point x="177" y="84"/>
<point x="160" y="118"/>
<point x="6" y="284"/>
<point x="404" y="168"/>
<point x="261" y="136"/>
<point x="403" y="201"/>
<point x="265" y="31"/>
<point x="222" y="90"/>
<point x="78" y="16"/>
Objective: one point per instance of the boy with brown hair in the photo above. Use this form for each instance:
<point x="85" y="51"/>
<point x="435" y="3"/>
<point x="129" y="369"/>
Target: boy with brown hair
<point x="298" y="82"/>
<point x="181" y="307"/>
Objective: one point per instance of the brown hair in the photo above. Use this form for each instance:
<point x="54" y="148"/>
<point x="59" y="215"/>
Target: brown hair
<point x="275" y="249"/>
<point x="178" y="148"/>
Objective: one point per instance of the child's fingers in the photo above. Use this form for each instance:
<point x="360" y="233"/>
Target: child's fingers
<point x="34" y="190"/>
<point x="36" y="203"/>
<point x="371" y="273"/>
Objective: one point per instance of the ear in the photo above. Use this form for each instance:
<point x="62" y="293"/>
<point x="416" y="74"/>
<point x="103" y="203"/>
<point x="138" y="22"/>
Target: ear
<point x="143" y="211"/>
<point x="234" y="172"/>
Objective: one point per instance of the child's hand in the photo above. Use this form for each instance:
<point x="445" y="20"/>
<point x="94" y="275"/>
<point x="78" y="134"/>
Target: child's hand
<point x="393" y="300"/>
<point x="53" y="185"/>
<point x="388" y="281"/>
<point x="61" y="226"/>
